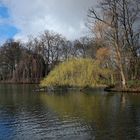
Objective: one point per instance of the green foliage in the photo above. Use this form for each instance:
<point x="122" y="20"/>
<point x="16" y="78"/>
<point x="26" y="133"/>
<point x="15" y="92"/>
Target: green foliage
<point x="133" y="83"/>
<point x="77" y="73"/>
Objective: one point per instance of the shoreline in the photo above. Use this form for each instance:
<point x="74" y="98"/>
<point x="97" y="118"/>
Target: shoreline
<point x="54" y="89"/>
<point x="81" y="89"/>
<point x="103" y="88"/>
<point x="127" y="90"/>
<point x="17" y="83"/>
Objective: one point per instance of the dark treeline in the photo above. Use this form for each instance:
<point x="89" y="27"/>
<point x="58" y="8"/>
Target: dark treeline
<point x="115" y="42"/>
<point x="29" y="62"/>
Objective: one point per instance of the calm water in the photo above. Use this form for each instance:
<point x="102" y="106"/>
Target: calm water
<point x="25" y="115"/>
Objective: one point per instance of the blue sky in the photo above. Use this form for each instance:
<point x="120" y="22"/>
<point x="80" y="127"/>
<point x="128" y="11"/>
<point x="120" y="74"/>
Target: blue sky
<point x="4" y="12"/>
<point x="7" y="30"/>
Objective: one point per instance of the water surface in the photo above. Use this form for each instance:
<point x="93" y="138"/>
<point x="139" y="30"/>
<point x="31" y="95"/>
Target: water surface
<point x="97" y="115"/>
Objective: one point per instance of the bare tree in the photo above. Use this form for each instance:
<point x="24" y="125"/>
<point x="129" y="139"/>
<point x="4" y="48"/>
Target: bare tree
<point x="120" y="19"/>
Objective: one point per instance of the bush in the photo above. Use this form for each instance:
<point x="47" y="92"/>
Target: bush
<point x="77" y="73"/>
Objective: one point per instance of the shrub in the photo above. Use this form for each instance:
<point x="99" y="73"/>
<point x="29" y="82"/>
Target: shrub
<point x="77" y="73"/>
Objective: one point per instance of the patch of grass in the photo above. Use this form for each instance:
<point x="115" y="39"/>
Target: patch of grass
<point x="133" y="84"/>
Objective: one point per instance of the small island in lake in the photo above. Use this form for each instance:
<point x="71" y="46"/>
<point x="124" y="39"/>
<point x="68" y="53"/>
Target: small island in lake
<point x="77" y="73"/>
<point x="84" y="74"/>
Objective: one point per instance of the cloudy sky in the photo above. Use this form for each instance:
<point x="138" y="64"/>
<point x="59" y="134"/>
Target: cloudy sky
<point x="21" y="18"/>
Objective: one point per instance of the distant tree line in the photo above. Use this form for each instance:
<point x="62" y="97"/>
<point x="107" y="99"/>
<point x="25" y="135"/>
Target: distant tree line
<point x="115" y="42"/>
<point x="29" y="62"/>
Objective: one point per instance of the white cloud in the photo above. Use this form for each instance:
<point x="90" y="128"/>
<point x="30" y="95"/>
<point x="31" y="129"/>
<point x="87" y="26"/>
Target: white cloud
<point x="66" y="17"/>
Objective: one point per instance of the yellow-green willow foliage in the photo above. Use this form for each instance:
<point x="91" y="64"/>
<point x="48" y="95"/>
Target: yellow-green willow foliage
<point x="77" y="73"/>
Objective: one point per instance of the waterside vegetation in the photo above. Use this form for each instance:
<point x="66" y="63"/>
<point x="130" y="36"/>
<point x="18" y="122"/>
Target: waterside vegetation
<point x="77" y="73"/>
<point x="110" y="56"/>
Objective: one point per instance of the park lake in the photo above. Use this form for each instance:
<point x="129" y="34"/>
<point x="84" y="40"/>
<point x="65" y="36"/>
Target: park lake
<point x="69" y="70"/>
<point x="73" y="115"/>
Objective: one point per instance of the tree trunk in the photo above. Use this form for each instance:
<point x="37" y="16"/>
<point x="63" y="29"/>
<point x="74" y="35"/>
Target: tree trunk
<point x="123" y="78"/>
<point x="120" y="66"/>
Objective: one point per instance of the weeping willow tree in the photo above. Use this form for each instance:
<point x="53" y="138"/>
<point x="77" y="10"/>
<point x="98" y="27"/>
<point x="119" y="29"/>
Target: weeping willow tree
<point x="77" y="73"/>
